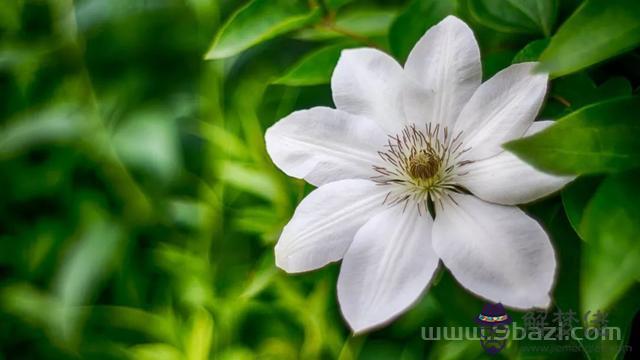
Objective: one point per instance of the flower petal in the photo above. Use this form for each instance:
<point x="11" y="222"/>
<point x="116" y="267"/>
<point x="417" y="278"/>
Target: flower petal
<point x="370" y="83"/>
<point x="502" y="109"/>
<point x="495" y="251"/>
<point x="505" y="179"/>
<point x="323" y="145"/>
<point x="325" y="222"/>
<point x="387" y="267"/>
<point x="445" y="63"/>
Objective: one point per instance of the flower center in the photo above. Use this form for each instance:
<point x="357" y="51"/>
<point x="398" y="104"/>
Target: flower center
<point x="423" y="165"/>
<point x="420" y="165"/>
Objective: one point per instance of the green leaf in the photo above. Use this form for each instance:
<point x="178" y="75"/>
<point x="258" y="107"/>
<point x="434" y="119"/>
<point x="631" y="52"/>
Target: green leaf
<point x="89" y="261"/>
<point x="53" y="125"/>
<point x="496" y="61"/>
<point x="313" y="69"/>
<point x="516" y="16"/>
<point x="249" y="179"/>
<point x="598" y="30"/>
<point x="595" y="139"/>
<point x="336" y="4"/>
<point x="531" y="52"/>
<point x="572" y="92"/>
<point x="258" y="21"/>
<point x="610" y="226"/>
<point x="414" y="21"/>
<point x="575" y="198"/>
<point x="356" y="24"/>
<point x="148" y="141"/>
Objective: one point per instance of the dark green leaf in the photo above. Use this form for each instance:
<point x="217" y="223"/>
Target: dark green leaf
<point x="258" y="21"/>
<point x="596" y="139"/>
<point x="356" y="24"/>
<point x="414" y="21"/>
<point x="572" y="92"/>
<point x="611" y="227"/>
<point x="336" y="4"/>
<point x="531" y="52"/>
<point x="598" y="30"/>
<point x="517" y="16"/>
<point x="496" y="61"/>
<point x="313" y="69"/>
<point x="575" y="198"/>
<point x="60" y="124"/>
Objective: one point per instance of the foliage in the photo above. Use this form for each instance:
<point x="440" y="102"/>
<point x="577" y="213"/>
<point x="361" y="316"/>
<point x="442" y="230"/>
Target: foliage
<point x="140" y="209"/>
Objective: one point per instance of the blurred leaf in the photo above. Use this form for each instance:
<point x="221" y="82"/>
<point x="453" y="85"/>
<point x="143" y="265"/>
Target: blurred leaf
<point x="160" y="327"/>
<point x="200" y="338"/>
<point x="413" y="22"/>
<point x="575" y="198"/>
<point x="531" y="52"/>
<point x="612" y="254"/>
<point x="336" y="4"/>
<point x="262" y="276"/>
<point x="155" y="351"/>
<point x="598" y="138"/>
<point x="598" y="30"/>
<point x="457" y="349"/>
<point x="249" y="179"/>
<point x="148" y="141"/>
<point x="85" y="267"/>
<point x="258" y="21"/>
<point x="313" y="69"/>
<point x="224" y="141"/>
<point x="237" y="353"/>
<point x="621" y="315"/>
<point x="189" y="213"/>
<point x="260" y="220"/>
<point x="517" y="16"/>
<point x="355" y="24"/>
<point x="90" y="259"/>
<point x="59" y="124"/>
<point x="30" y="304"/>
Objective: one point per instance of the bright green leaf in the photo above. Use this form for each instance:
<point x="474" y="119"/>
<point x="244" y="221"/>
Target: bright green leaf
<point x="258" y="21"/>
<point x="598" y="30"/>
<point x="516" y="16"/>
<point x="414" y="21"/>
<point x="595" y="139"/>
<point x="610" y="226"/>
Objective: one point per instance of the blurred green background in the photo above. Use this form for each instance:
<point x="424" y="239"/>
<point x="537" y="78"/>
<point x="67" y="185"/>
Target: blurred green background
<point x="139" y="209"/>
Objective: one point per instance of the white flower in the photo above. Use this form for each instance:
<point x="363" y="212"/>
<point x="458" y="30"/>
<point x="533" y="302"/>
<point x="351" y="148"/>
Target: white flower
<point x="402" y="141"/>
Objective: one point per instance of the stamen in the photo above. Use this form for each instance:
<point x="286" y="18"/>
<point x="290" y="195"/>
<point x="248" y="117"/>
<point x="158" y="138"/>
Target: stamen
<point x="420" y="164"/>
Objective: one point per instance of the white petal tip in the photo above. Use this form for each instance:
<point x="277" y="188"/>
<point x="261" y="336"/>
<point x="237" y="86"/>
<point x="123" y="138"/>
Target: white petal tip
<point x="543" y="303"/>
<point x="283" y="260"/>
<point x="362" y="327"/>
